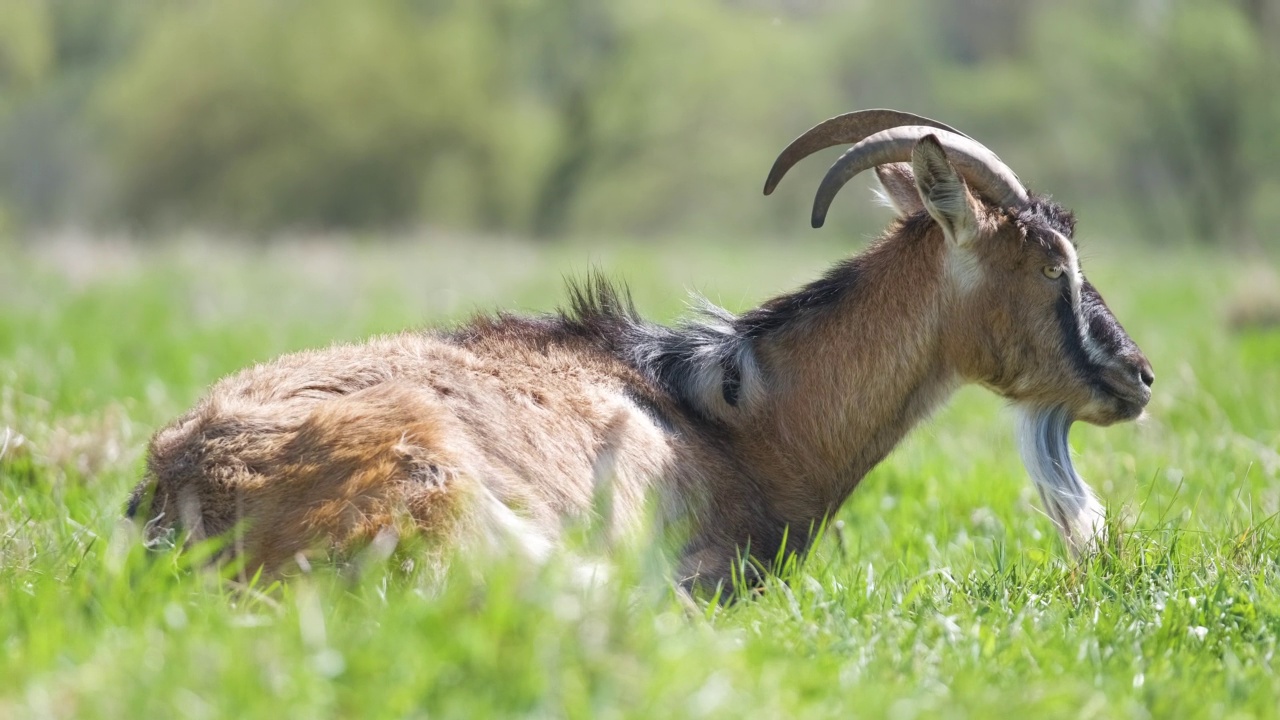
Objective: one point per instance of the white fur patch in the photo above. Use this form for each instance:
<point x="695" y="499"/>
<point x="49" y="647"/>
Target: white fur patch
<point x="722" y="343"/>
<point x="882" y="199"/>
<point x="963" y="268"/>
<point x="1073" y="268"/>
<point x="501" y="529"/>
<point x="1076" y="279"/>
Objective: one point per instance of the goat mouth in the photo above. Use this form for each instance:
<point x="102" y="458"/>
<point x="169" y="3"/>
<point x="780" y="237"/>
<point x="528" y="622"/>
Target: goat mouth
<point x="1130" y="400"/>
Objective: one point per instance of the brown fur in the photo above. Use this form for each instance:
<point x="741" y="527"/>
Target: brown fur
<point x="327" y="447"/>
<point x="744" y="430"/>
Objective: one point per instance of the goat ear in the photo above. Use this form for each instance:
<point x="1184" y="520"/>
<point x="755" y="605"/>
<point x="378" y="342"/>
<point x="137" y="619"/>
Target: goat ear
<point x="899" y="188"/>
<point x="942" y="191"/>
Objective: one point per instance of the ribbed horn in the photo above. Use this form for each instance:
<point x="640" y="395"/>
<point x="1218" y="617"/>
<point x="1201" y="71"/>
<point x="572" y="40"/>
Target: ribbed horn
<point x="844" y="129"/>
<point x="986" y="173"/>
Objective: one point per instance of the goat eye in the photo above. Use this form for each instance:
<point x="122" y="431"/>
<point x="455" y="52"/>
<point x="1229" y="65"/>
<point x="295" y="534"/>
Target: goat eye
<point x="1053" y="272"/>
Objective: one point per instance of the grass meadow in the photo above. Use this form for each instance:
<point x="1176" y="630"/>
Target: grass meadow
<point x="945" y="592"/>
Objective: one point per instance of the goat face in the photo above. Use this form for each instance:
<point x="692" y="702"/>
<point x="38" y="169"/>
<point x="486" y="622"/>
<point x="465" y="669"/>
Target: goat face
<point x="1021" y="317"/>
<point x="1027" y="324"/>
<point x="1036" y="331"/>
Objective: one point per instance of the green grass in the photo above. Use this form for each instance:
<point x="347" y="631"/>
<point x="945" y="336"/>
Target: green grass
<point x="945" y="592"/>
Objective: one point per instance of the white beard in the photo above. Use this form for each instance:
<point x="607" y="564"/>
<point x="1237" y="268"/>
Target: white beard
<point x="1068" y="499"/>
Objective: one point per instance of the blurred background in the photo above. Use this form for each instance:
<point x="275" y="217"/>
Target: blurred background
<point x="1156" y="120"/>
<point x="191" y="186"/>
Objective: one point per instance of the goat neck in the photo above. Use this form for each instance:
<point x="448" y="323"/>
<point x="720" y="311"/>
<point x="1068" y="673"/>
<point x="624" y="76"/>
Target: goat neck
<point x="850" y="363"/>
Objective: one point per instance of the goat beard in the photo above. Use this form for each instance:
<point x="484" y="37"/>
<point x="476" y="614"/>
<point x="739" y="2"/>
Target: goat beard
<point x="1068" y="499"/>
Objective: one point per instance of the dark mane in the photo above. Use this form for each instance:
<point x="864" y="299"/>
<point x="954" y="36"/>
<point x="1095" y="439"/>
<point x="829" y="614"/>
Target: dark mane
<point x="599" y="310"/>
<point x="683" y="362"/>
<point x="706" y="362"/>
<point x="599" y="313"/>
<point x="787" y="309"/>
<point x="1043" y="214"/>
<point x="697" y="358"/>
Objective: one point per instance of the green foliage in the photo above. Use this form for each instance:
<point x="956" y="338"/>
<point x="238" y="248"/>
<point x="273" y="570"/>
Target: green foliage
<point x="943" y="592"/>
<point x="502" y="115"/>
<point x="622" y="117"/>
<point x="277" y="113"/>
<point x="1183" y="103"/>
<point x="26" y="53"/>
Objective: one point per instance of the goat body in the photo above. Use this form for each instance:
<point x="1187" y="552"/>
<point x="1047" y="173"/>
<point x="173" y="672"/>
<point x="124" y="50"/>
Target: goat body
<point x="747" y="431"/>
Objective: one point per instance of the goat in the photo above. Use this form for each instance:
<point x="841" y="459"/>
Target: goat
<point x="749" y="430"/>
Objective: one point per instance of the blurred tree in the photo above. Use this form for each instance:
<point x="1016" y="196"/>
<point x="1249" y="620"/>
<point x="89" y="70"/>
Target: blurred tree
<point x="579" y="53"/>
<point x="51" y="56"/>
<point x="636" y="94"/>
<point x="627" y="116"/>
<point x="499" y="114"/>
<point x="26" y="50"/>
<point x="261" y="115"/>
<point x="1180" y="99"/>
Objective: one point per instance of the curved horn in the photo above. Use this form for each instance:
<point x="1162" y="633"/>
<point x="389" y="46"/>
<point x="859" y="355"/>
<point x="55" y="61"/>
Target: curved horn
<point x="982" y="169"/>
<point x="844" y="129"/>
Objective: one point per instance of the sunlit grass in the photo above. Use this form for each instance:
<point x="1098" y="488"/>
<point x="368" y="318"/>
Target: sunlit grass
<point x="942" y="592"/>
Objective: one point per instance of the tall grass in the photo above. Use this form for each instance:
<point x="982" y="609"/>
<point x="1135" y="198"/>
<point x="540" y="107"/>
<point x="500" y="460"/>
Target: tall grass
<point x="940" y="591"/>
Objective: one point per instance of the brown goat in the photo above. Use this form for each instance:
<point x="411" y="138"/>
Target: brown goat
<point x="748" y="430"/>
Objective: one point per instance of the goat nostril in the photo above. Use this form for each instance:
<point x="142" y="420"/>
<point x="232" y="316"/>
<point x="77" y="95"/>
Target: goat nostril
<point x="1147" y="376"/>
